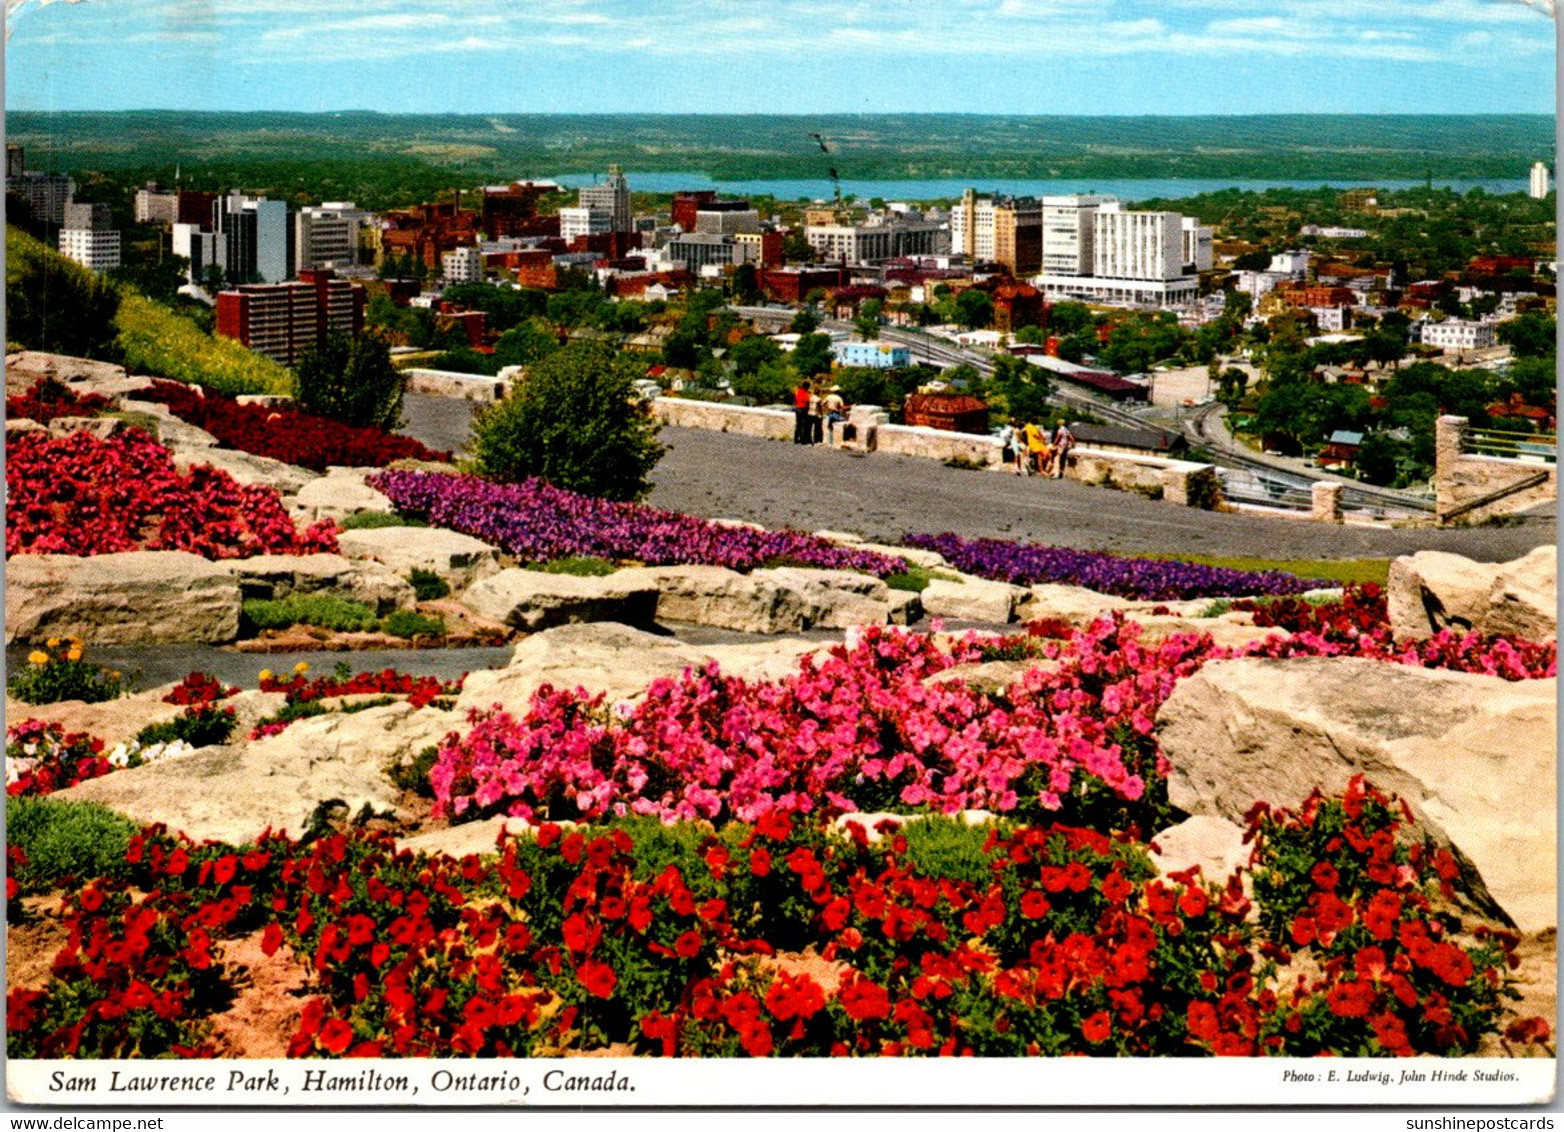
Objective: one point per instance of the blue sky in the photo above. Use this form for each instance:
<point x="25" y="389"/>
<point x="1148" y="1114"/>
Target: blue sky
<point x="809" y="56"/>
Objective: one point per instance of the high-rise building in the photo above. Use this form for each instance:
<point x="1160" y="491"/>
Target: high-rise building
<point x="1007" y="230"/>
<point x="1137" y="245"/>
<point x="282" y="320"/>
<point x="1198" y="240"/>
<point x="1094" y="248"/>
<point x="462" y="265"/>
<point x="1539" y="180"/>
<point x="252" y="238"/>
<point x="327" y="235"/>
<point x="89" y="237"/>
<point x="584" y="221"/>
<point x="45" y="193"/>
<point x="612" y="197"/>
<point x="1068" y="224"/>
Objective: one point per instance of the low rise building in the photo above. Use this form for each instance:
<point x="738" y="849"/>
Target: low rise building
<point x="872" y="355"/>
<point x="1458" y="334"/>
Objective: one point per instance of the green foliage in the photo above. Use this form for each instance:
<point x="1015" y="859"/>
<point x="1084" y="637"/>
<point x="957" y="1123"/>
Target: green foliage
<point x="503" y="307"/>
<point x="1024" y="387"/>
<point x="772" y="384"/>
<point x="1531" y="335"/>
<point x="974" y="308"/>
<point x="949" y="847"/>
<point x="352" y="381"/>
<point x="576" y="423"/>
<point x="524" y="344"/>
<point x="413" y="776"/>
<point x="408" y="623"/>
<point x="56" y="305"/>
<point x="65" y="840"/>
<point x="427" y="585"/>
<point x="813" y="355"/>
<point x="200" y="726"/>
<point x="324" y="610"/>
<point x="57" y="672"/>
<point x="580" y="567"/>
<point x="375" y="520"/>
<point x="158" y="341"/>
<point x="916" y="579"/>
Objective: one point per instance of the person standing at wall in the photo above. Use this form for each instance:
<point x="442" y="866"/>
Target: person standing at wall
<point x="1064" y="440"/>
<point x="801" y="427"/>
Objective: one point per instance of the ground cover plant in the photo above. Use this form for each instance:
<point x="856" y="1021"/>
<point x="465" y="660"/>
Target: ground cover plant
<point x="1148" y="579"/>
<point x="60" y="671"/>
<point x="537" y="523"/>
<point x="49" y="399"/>
<point x="286" y="434"/>
<point x="304" y="695"/>
<point x="83" y="495"/>
<point x="1043" y="940"/>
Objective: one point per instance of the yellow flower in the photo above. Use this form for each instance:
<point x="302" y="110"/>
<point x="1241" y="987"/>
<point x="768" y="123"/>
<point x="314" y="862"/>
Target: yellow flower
<point x="74" y="654"/>
<point x="301" y="668"/>
<point x="114" y="674"/>
<point x="266" y="674"/>
<point x="36" y="657"/>
<point x="54" y="642"/>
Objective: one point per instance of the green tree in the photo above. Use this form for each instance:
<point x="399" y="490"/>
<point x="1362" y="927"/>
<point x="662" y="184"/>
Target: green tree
<point x="806" y="321"/>
<point x="867" y="321"/>
<point x="56" y="305"/>
<point x="745" y="284"/>
<point x="748" y="355"/>
<point x="1069" y="318"/>
<point x="352" y="381"/>
<point x="813" y="355"/>
<point x="575" y="422"/>
<point x="771" y="383"/>
<point x="1531" y="335"/>
<point x="525" y="344"/>
<point x="1024" y="387"/>
<point x="975" y="308"/>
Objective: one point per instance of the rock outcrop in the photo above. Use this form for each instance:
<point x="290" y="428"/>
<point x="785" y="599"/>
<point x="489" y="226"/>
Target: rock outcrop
<point x="134" y="597"/>
<point x="1472" y="755"/>
<point x="1432" y="590"/>
<point x="783" y="600"/>
<point x="532" y="600"/>
<point x="974" y="599"/>
<point x="339" y="493"/>
<point x="275" y="576"/>
<point x="460" y="559"/>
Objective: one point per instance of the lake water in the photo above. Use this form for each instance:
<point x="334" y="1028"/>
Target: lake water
<point x="1127" y="190"/>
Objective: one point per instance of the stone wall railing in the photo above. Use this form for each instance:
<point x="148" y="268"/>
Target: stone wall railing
<point x="868" y="430"/>
<point x="1471" y="488"/>
<point x="449" y="383"/>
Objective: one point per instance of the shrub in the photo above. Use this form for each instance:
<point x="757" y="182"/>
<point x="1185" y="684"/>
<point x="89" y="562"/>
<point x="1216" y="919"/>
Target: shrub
<point x="352" y="381"/>
<point x="324" y="610"/>
<point x="427" y="585"/>
<point x="58" y="672"/>
<point x="56" y="305"/>
<point x="578" y="565"/>
<point x="375" y="520"/>
<point x="413" y="775"/>
<point x="407" y="623"/>
<point x="63" y="841"/>
<point x="200" y="726"/>
<point x="576" y="423"/>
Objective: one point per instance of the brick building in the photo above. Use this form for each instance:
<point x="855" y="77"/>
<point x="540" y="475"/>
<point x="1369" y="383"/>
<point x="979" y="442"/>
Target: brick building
<point x="283" y="320"/>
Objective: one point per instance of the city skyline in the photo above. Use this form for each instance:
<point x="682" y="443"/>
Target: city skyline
<point x="744" y="56"/>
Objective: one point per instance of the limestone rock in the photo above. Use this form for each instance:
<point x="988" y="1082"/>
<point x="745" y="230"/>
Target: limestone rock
<point x="233" y="793"/>
<point x="1215" y="844"/>
<point x="171" y="431"/>
<point x="836" y="599"/>
<point x="276" y="576"/>
<point x="26" y="368"/>
<point x="1228" y="631"/>
<point x="904" y="607"/>
<point x="928" y="559"/>
<point x="113" y="721"/>
<point x="1074" y="605"/>
<point x="533" y="600"/>
<point x="246" y="468"/>
<point x="134" y="597"/>
<point x="460" y="559"/>
<point x="474" y="838"/>
<point x="1432" y="590"/>
<point x="339" y="493"/>
<point x="717" y="596"/>
<point x="991" y="678"/>
<point x="1523" y="601"/>
<point x="972" y="599"/>
<point x="1472" y="755"/>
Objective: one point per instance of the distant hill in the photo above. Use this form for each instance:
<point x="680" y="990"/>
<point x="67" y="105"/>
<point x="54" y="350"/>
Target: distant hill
<point x="879" y="146"/>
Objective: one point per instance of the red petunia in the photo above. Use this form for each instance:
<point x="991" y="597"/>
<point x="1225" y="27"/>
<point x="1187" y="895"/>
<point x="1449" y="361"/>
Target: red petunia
<point x="864" y="1000"/>
<point x="335" y="1036"/>
<point x="597" y="978"/>
<point x="688" y="945"/>
<point x="1096" y="1028"/>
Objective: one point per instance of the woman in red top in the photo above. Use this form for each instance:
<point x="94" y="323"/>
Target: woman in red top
<point x="801" y="423"/>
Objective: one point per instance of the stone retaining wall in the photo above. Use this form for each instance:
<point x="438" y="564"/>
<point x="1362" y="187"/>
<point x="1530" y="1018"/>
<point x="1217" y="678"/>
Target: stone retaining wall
<point x="1463" y="478"/>
<point x="449" y="383"/>
<point x="1177" y="481"/>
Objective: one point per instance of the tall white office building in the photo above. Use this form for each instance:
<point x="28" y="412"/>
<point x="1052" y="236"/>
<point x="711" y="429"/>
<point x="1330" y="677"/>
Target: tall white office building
<point x="612" y="197"/>
<point x="584" y="221"/>
<point x="1068" y="226"/>
<point x="1539" y="180"/>
<point x="1137" y="245"/>
<point x="326" y="235"/>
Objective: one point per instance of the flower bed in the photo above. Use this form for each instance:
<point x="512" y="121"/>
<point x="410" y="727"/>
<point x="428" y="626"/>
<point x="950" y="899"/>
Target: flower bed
<point x="84" y="495"/>
<point x="937" y="939"/>
<point x="862" y="730"/>
<point x="304" y="695"/>
<point x="41" y="758"/>
<point x="49" y="399"/>
<point x="286" y="434"/>
<point x="1145" y="579"/>
<point x="539" y="523"/>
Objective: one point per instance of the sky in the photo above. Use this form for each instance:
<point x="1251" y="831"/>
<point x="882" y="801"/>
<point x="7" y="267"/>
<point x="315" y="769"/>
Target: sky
<point x="777" y="56"/>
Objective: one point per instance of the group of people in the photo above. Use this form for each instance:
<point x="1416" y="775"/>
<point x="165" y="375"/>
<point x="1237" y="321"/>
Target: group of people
<point x="816" y="415"/>
<point x="1033" y="450"/>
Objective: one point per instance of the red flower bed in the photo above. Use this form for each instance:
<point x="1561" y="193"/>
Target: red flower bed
<point x="1017" y="941"/>
<point x="197" y="689"/>
<point x="41" y="758"/>
<point x="286" y="434"/>
<point x="84" y="495"/>
<point x="49" y="399"/>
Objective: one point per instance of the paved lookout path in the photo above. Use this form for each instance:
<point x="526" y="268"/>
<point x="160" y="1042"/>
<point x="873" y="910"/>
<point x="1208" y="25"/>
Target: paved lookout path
<point x="778" y="484"/>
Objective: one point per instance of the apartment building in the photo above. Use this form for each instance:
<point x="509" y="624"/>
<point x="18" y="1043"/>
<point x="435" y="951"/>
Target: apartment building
<point x="327" y="235"/>
<point x="88" y="236"/>
<point x="1007" y="230"/>
<point x="283" y="320"/>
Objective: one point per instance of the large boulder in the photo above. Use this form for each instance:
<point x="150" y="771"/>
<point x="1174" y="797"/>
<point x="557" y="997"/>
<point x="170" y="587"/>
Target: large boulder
<point x="131" y="598"/>
<point x="234" y="793"/>
<point x="532" y="600"/>
<point x="837" y="599"/>
<point x="173" y="433"/>
<point x="460" y="559"/>
<point x="275" y="576"/>
<point x="339" y="493"/>
<point x="726" y="599"/>
<point x="1213" y="845"/>
<point x="973" y="599"/>
<point x="1074" y="605"/>
<point x="1432" y="590"/>
<point x="1472" y="755"/>
<point x="113" y="721"/>
<point x="245" y="468"/>
<point x="26" y="368"/>
<point x="617" y="661"/>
